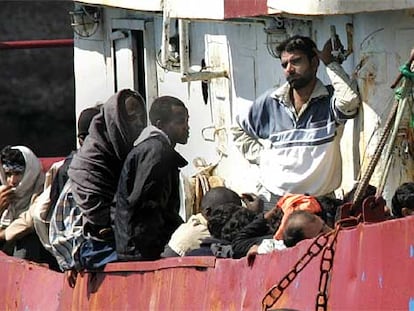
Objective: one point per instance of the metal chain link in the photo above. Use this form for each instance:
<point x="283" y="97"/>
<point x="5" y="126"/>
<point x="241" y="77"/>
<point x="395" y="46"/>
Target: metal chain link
<point x="320" y="243"/>
<point x="326" y="269"/>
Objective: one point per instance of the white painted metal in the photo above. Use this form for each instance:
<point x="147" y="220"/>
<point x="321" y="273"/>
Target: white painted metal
<point x="334" y="7"/>
<point x="125" y="62"/>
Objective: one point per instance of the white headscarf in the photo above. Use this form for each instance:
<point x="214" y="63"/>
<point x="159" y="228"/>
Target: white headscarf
<point x="31" y="183"/>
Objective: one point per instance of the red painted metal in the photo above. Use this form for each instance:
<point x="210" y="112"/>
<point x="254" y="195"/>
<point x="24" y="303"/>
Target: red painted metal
<point x="48" y="161"/>
<point x="243" y="8"/>
<point x="34" y="44"/>
<point x="372" y="270"/>
<point x="28" y="286"/>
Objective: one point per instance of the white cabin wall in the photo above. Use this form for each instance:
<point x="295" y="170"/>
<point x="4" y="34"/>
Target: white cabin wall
<point x="94" y="63"/>
<point x="93" y="72"/>
<point x="385" y="41"/>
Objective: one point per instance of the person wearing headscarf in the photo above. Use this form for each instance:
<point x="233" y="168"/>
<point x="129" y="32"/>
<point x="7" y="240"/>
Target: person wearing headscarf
<point x="38" y="216"/>
<point x="95" y="170"/>
<point x="21" y="176"/>
<point x="22" y="179"/>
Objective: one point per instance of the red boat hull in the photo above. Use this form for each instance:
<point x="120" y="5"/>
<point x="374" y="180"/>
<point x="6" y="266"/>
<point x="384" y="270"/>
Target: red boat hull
<point x="373" y="270"/>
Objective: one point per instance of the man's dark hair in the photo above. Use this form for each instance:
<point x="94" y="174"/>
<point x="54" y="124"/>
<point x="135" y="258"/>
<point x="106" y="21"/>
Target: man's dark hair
<point x="219" y="216"/>
<point x="161" y="108"/>
<point x="13" y="157"/>
<point x="329" y="206"/>
<point x="297" y="42"/>
<point x="403" y="198"/>
<point x="236" y="223"/>
<point x="293" y="232"/>
<point x="217" y="196"/>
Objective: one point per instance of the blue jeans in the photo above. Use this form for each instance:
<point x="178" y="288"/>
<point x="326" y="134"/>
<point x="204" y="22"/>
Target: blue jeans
<point x="96" y="254"/>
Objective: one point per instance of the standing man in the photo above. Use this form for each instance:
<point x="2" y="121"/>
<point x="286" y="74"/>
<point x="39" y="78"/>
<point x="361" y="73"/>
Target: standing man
<point x="293" y="132"/>
<point x="147" y="199"/>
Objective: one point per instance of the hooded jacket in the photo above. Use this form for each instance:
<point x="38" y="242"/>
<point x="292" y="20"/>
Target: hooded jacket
<point x="147" y="199"/>
<point x="95" y="168"/>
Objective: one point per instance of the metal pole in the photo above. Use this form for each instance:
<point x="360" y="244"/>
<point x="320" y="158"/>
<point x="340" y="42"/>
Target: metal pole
<point x="34" y="44"/>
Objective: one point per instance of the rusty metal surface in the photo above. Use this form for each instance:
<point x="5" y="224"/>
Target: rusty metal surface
<point x="27" y="286"/>
<point x="365" y="268"/>
<point x="372" y="271"/>
<point x="242" y="8"/>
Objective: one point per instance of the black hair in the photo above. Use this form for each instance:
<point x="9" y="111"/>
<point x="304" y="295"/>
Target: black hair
<point x="85" y="119"/>
<point x="403" y="198"/>
<point x="329" y="208"/>
<point x="297" y="42"/>
<point x="238" y="220"/>
<point x="293" y="232"/>
<point x="219" y="216"/>
<point x="12" y="156"/>
<point x="161" y="108"/>
<point x="217" y="196"/>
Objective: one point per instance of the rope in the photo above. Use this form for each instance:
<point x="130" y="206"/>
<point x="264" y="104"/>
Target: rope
<point x="403" y="103"/>
<point x="400" y="95"/>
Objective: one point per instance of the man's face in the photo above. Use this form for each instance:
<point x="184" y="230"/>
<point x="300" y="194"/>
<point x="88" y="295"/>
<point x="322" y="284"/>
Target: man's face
<point x="298" y="70"/>
<point x="177" y="127"/>
<point x="13" y="179"/>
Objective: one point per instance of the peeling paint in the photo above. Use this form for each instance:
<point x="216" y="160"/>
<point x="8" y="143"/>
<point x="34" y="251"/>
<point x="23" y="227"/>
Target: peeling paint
<point x="411" y="251"/>
<point x="380" y="281"/>
<point x="363" y="277"/>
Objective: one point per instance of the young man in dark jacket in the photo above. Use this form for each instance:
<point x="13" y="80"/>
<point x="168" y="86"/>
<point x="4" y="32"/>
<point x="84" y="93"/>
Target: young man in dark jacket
<point x="147" y="199"/>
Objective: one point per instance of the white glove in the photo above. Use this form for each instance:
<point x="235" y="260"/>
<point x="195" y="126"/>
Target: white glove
<point x="188" y="236"/>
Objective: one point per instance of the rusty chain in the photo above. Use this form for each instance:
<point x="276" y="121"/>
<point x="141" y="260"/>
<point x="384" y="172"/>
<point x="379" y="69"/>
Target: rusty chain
<point x="325" y="242"/>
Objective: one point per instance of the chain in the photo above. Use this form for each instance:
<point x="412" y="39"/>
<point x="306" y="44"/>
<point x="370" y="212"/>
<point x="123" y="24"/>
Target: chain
<point x="326" y="269"/>
<point x="273" y="295"/>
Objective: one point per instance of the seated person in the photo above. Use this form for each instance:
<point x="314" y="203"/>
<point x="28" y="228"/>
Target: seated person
<point x="265" y="233"/>
<point x="22" y="179"/>
<point x="64" y="234"/>
<point x="224" y="223"/>
<point x="188" y="236"/>
<point x="299" y="225"/>
<point x="402" y="203"/>
<point x="195" y="233"/>
<point x="147" y="200"/>
<point x="95" y="169"/>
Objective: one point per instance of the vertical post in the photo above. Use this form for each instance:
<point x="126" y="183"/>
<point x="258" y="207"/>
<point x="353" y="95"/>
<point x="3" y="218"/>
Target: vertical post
<point x="165" y="34"/>
<point x="184" y="48"/>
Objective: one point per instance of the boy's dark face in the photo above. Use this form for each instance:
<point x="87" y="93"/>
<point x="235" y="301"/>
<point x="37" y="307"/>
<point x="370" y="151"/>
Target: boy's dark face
<point x="177" y="127"/>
